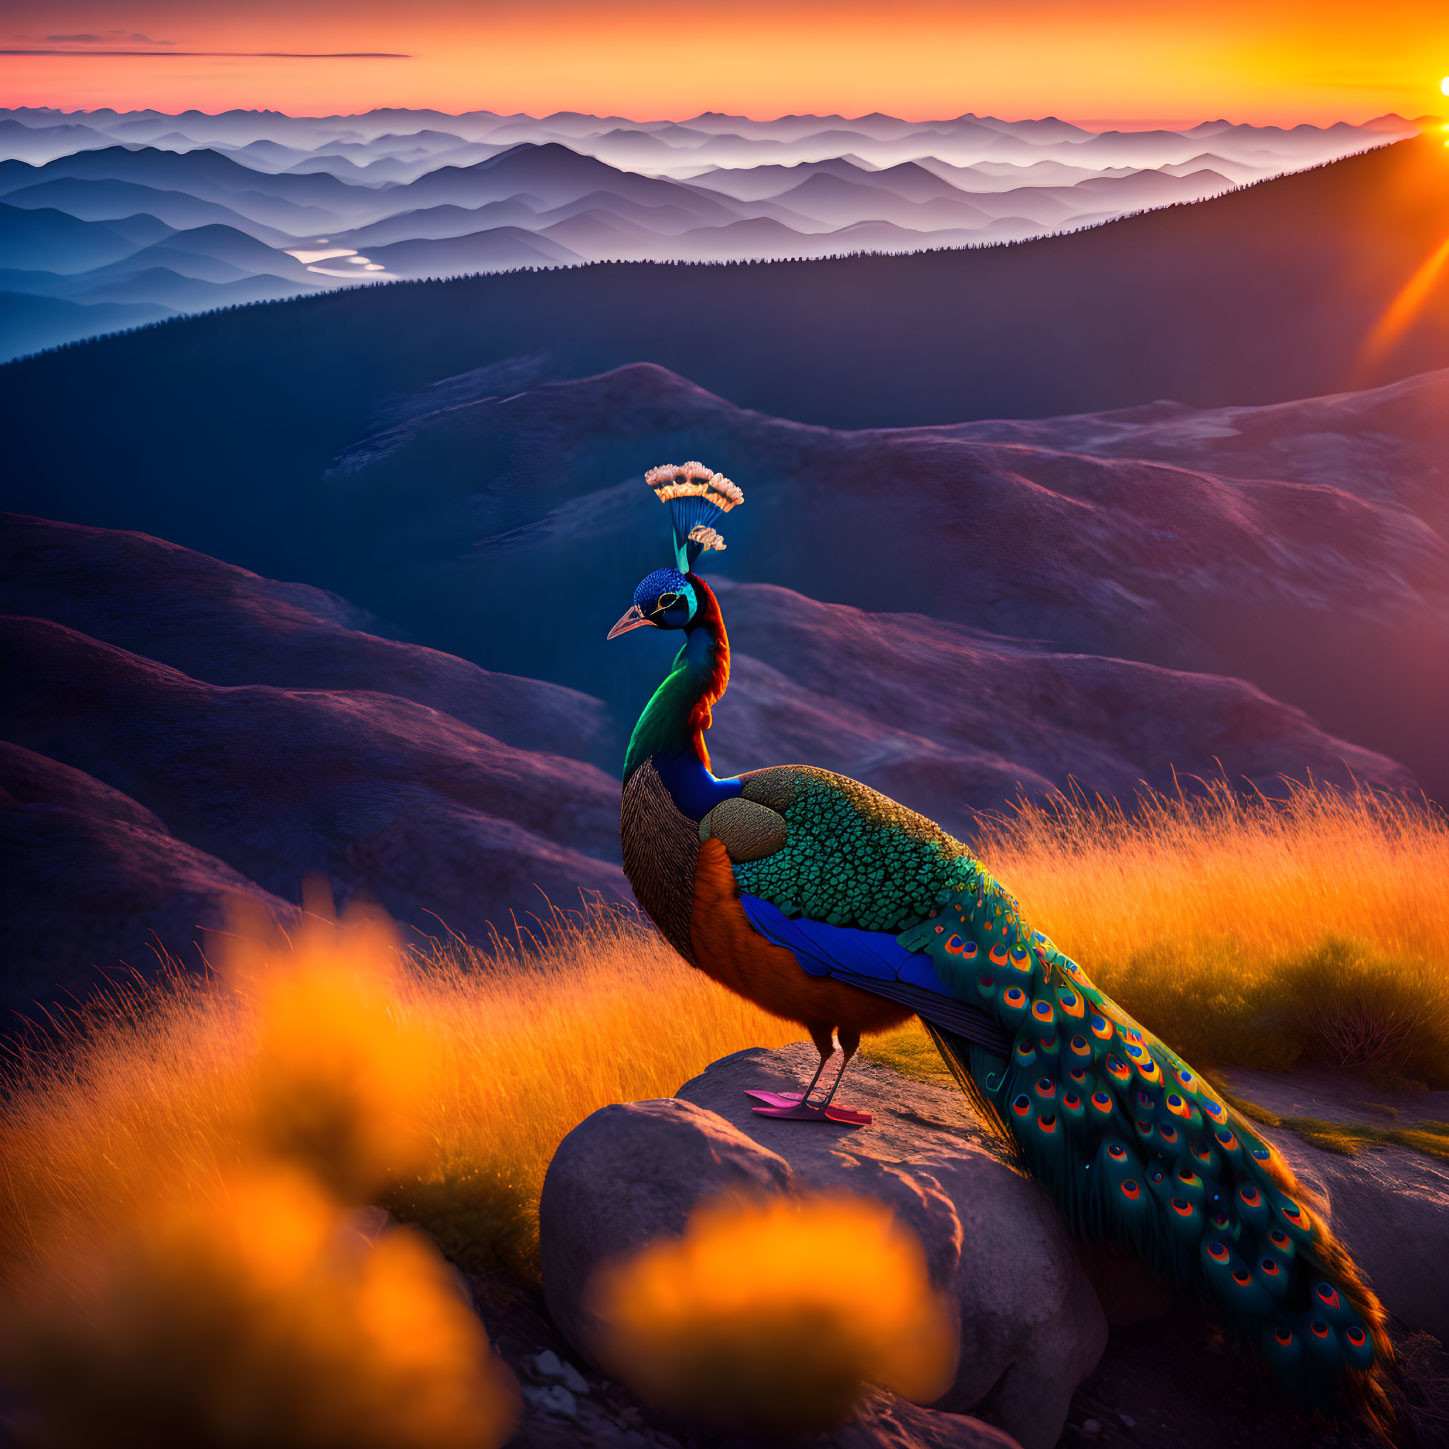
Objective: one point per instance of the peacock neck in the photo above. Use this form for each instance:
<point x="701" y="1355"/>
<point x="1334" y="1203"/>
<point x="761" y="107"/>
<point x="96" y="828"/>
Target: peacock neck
<point x="671" y="730"/>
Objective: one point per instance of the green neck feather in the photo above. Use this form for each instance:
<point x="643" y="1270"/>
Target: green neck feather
<point x="676" y="717"/>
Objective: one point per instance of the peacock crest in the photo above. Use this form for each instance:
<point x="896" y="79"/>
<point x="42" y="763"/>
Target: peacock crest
<point x="696" y="497"/>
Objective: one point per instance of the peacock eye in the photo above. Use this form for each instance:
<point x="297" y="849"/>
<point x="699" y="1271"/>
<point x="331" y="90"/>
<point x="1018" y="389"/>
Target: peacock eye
<point x="666" y="601"/>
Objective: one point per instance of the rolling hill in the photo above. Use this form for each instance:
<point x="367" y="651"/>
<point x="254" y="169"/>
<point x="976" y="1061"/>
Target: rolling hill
<point x="181" y="731"/>
<point x="440" y="509"/>
<point x="178" y="732"/>
<point x="1263" y="294"/>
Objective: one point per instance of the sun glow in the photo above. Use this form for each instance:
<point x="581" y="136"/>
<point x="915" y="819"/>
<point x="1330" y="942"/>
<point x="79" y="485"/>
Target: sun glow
<point x="1298" y="60"/>
<point x="1408" y="302"/>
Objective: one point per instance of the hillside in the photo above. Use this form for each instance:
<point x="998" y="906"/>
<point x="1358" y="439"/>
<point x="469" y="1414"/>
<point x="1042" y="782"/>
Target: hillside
<point x="178" y="731"/>
<point x="446" y="508"/>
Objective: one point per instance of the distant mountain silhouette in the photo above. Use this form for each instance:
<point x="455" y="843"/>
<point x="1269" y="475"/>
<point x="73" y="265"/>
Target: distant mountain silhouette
<point x="553" y="173"/>
<point x="183" y="291"/>
<point x="437" y="222"/>
<point x="29" y="321"/>
<point x="317" y="184"/>
<point x="499" y="247"/>
<point x="1261" y="294"/>
<point x="58" y="242"/>
<point x="102" y="200"/>
<point x="204" y="173"/>
<point x="838" y="201"/>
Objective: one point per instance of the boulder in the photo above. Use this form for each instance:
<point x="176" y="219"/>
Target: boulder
<point x="1031" y="1326"/>
<point x="1390" y="1205"/>
<point x="627" y="1174"/>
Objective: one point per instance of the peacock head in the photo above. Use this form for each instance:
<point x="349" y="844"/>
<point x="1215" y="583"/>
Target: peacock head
<point x="665" y="599"/>
<point x="696" y="496"/>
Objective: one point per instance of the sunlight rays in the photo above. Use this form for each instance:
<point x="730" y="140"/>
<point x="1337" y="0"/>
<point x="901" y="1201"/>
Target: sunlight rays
<point x="1406" y="306"/>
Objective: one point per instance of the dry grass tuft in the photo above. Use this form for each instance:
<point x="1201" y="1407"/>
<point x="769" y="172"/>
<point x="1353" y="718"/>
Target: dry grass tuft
<point x="776" y="1316"/>
<point x="1250" y="931"/>
<point x="530" y="1037"/>
<point x="338" y="1076"/>
<point x="179" y="1262"/>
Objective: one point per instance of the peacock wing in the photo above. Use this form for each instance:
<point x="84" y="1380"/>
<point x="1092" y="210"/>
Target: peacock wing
<point x="846" y="855"/>
<point x="833" y="871"/>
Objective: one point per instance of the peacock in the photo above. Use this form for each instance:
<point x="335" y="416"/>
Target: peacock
<point x="829" y="904"/>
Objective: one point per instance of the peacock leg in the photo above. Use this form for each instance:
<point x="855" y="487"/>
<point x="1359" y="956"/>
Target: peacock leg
<point x="801" y="1109"/>
<point x="849" y="1044"/>
<point x="824" y="1039"/>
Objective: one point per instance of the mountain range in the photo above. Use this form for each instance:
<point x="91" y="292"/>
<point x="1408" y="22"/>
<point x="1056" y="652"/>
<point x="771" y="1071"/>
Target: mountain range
<point x="335" y="201"/>
<point x="1286" y="289"/>
<point x="322" y="583"/>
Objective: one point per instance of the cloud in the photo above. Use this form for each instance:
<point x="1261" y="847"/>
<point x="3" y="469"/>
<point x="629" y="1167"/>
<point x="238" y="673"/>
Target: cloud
<point x="230" y="54"/>
<point x="109" y="36"/>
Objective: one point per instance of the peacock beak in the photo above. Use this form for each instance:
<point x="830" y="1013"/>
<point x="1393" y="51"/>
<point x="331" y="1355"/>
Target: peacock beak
<point x="634" y="619"/>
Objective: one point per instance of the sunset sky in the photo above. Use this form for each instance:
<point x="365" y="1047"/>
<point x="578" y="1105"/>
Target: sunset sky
<point x="1100" y="61"/>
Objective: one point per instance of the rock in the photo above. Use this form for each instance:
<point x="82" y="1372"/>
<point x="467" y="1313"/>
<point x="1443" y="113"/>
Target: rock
<point x="554" y="1399"/>
<point x="608" y="1191"/>
<point x="1390" y="1205"/>
<point x="1031" y="1325"/>
<point x="548" y="1365"/>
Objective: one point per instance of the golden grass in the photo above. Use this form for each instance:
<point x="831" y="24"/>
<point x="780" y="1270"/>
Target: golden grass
<point x="1241" y="931"/>
<point x="486" y="1058"/>
<point x="177" y="1203"/>
<point x="775" y="1316"/>
<point x="1244" y="930"/>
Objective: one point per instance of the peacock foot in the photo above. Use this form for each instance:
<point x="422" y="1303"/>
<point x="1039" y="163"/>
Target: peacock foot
<point x="792" y="1107"/>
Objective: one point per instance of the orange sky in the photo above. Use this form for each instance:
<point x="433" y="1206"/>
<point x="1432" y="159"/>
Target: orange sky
<point x="1099" y="60"/>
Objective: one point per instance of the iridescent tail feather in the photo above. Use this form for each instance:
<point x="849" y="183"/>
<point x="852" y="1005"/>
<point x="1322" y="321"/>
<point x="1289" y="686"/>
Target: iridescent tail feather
<point x="1135" y="1146"/>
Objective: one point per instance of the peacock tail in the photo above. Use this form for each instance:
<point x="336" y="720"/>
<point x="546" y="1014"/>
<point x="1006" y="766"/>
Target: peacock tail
<point x="1131" y="1142"/>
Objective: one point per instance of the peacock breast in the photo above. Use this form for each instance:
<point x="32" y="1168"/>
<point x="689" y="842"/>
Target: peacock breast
<point x="660" y="847"/>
